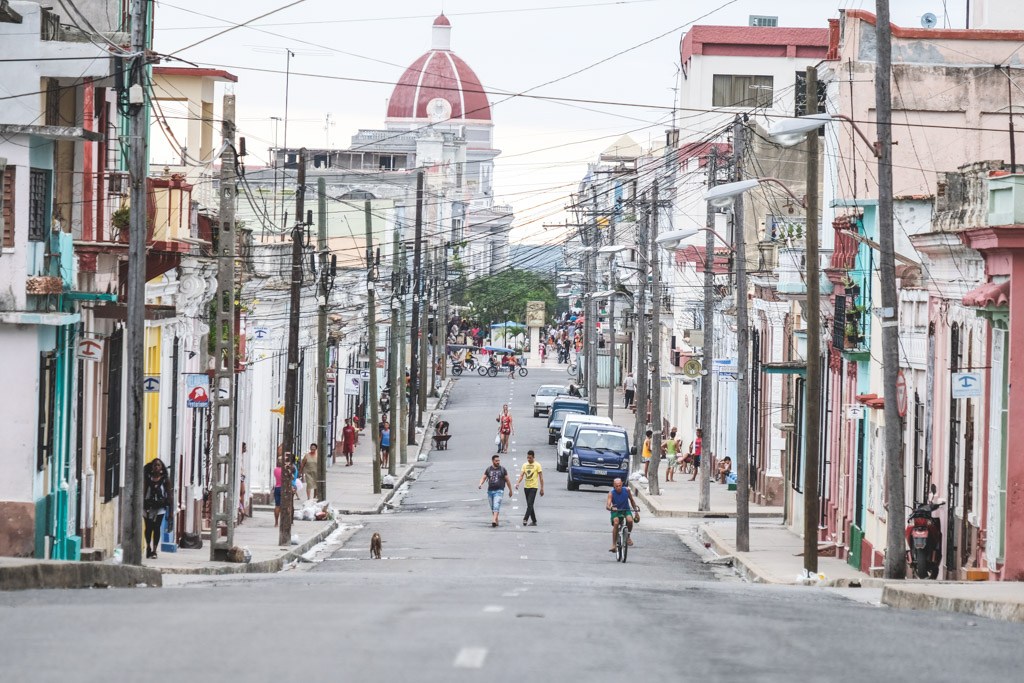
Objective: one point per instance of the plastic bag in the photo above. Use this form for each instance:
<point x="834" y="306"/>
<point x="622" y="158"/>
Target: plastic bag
<point x="299" y="486"/>
<point x="497" y="439"/>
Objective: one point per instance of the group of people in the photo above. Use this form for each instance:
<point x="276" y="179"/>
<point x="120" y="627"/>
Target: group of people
<point x="672" y="454"/>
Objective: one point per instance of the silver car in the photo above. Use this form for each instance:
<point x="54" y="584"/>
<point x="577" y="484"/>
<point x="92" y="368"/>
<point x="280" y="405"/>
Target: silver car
<point x="544" y="397"/>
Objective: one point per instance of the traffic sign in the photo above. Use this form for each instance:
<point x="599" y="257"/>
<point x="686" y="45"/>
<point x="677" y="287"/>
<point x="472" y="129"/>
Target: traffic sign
<point x="89" y="349"/>
<point x="901" y="394"/>
<point x="151" y="384"/>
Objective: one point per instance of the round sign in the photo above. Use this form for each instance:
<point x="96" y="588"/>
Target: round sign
<point x="691" y="368"/>
<point x="901" y="394"/>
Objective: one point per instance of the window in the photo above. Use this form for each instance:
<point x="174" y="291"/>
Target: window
<point x="742" y="91"/>
<point x="38" y="200"/>
<point x="7" y="203"/>
<point x="800" y="97"/>
<point x="47" y="380"/>
<point x="761" y="20"/>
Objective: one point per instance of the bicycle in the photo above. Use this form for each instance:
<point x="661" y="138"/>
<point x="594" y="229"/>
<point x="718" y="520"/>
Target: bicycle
<point x="622" y="538"/>
<point x="571" y="368"/>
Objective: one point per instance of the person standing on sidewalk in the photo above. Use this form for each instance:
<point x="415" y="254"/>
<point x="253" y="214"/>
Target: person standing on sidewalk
<point x="385" y="444"/>
<point x="348" y="442"/>
<point x="670" y="451"/>
<point x="277" y="489"/>
<point x="646" y="452"/>
<point x="696" y="446"/>
<point x="308" y="469"/>
<point x="156" y="498"/>
<point x="629" y="389"/>
<point x="534" y="476"/>
<point x="504" y="421"/>
<point x="497" y="479"/>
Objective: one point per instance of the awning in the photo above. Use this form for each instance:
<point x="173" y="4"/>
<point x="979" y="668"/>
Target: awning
<point x="989" y="295"/>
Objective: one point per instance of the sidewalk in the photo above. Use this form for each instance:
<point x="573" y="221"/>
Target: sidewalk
<point x="350" y="491"/>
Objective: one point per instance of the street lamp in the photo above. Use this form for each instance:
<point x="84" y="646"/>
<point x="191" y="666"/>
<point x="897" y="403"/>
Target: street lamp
<point x="791" y="132"/>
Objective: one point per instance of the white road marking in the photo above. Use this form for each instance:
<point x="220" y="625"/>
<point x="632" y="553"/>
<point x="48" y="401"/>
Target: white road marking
<point x="470" y="658"/>
<point x="494" y="608"/>
<point x="522" y="557"/>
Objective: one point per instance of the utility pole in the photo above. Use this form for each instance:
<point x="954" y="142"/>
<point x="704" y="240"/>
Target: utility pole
<point x="611" y="321"/>
<point x="394" y="364"/>
<point x="707" y="384"/>
<point x="895" y="562"/>
<point x="739" y="135"/>
<point x="321" y="340"/>
<point x="135" y="323"/>
<point x="642" y="385"/>
<point x="414" y="341"/>
<point x="403" y="447"/>
<point x="291" y="385"/>
<point x="812" y="402"/>
<point x="222" y="394"/>
<point x="371" y="312"/>
<point x="652" y="478"/>
<point x="424" y="374"/>
<point x="590" y="347"/>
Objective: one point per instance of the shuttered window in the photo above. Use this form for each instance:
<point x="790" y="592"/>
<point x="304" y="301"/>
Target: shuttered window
<point x="38" y="204"/>
<point x="112" y="460"/>
<point x="7" y="203"/>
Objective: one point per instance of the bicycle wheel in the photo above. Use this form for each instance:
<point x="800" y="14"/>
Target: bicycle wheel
<point x="523" y="372"/>
<point x="481" y="370"/>
<point x="571" y="370"/>
<point x="456" y="370"/>
<point x="492" y="372"/>
<point x="621" y="542"/>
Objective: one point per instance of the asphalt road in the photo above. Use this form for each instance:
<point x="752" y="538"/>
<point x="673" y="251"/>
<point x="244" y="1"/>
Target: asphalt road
<point x="457" y="600"/>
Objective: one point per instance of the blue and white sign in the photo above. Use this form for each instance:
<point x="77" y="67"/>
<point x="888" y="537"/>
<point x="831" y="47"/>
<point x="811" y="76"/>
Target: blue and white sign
<point x="260" y="333"/>
<point x="197" y="390"/>
<point x="966" y="385"/>
<point x="151" y="385"/>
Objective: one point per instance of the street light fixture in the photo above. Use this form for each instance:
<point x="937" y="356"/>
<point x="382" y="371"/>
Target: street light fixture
<point x="722" y="196"/>
<point x="791" y="132"/>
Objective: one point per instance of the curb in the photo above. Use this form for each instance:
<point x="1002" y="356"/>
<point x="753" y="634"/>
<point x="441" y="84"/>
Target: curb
<point x="901" y="598"/>
<point x="50" y="574"/>
<point x="748" y="569"/>
<point x="263" y="566"/>
<point x="655" y="508"/>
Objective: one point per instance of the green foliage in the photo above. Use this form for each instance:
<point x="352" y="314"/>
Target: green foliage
<point x="508" y="290"/>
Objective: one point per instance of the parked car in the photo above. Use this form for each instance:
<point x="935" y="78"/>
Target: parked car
<point x="561" y="407"/>
<point x="569" y="427"/>
<point x="544" y="397"/>
<point x="599" y="455"/>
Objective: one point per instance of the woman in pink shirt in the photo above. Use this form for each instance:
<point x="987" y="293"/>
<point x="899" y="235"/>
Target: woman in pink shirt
<point x="277" y="489"/>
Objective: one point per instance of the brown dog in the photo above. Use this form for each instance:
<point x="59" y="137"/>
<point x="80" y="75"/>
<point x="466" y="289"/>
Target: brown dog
<point x="375" y="544"/>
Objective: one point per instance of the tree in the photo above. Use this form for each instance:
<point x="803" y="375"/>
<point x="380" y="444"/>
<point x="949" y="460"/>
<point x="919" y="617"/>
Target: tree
<point x="509" y="290"/>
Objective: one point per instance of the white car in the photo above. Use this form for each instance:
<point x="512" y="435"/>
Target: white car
<point x="544" y="397"/>
<point x="569" y="427"/>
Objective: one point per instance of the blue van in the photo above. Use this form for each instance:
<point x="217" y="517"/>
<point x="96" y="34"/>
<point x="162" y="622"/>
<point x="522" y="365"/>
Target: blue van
<point x="560" y="407"/>
<point x="600" y="455"/>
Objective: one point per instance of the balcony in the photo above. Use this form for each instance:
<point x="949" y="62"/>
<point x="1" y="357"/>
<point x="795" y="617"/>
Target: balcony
<point x="791" y="270"/>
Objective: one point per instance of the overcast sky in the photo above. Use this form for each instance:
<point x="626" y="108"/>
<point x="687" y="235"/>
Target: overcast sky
<point x="514" y="46"/>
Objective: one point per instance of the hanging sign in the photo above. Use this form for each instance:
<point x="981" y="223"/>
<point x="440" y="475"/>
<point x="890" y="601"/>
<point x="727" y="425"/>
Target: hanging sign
<point x="854" y="412"/>
<point x="901" y="394"/>
<point x="353" y="383"/>
<point x="197" y="390"/>
<point x="89" y="349"/>
<point x="151" y="384"/>
<point x="260" y="333"/>
<point x="966" y="385"/>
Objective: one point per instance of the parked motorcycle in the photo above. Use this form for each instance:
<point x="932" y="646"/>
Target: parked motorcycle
<point x="924" y="540"/>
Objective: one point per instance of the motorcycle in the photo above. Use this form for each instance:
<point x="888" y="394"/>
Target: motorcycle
<point x="924" y="540"/>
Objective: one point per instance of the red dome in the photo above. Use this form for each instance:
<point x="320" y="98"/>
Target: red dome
<point x="439" y="74"/>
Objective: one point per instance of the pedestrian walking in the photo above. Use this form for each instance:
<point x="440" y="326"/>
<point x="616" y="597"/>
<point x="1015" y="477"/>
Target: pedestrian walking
<point x="497" y="479"/>
<point x="348" y="442"/>
<point x="277" y="489"/>
<point x="533" y="475"/>
<point x="629" y="388"/>
<point x="504" y="421"/>
<point x="308" y="470"/>
<point x="385" y="445"/>
<point x="156" y="498"/>
<point x="646" y="453"/>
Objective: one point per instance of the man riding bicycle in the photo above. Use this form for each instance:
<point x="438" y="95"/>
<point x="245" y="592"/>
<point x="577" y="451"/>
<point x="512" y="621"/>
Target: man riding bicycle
<point x="620" y="503"/>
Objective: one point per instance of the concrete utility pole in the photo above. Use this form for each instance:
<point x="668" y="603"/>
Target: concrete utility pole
<point x="707" y="384"/>
<point x="611" y="320"/>
<point x="652" y="479"/>
<point x="414" y="342"/>
<point x="135" y="323"/>
<point x="640" y="325"/>
<point x="895" y="559"/>
<point x="403" y="322"/>
<point x="394" y="364"/>
<point x="423" y="374"/>
<point x="222" y="394"/>
<point x="371" y="313"/>
<point x="812" y="402"/>
<point x="739" y="134"/>
<point x="590" y="347"/>
<point x="321" y="341"/>
<point x="291" y="384"/>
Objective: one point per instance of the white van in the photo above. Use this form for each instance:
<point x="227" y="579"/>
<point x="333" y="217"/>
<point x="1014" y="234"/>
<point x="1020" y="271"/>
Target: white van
<point x="569" y="427"/>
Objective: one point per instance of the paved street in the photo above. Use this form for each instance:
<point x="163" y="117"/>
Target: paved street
<point x="457" y="600"/>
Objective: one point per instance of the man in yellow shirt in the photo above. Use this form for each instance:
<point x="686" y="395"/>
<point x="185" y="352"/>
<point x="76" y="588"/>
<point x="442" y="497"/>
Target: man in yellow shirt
<point x="534" y="476"/>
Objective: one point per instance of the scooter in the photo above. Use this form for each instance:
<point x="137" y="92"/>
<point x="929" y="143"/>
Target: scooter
<point x="924" y="540"/>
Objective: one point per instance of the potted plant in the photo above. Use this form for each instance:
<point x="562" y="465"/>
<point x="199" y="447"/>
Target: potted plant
<point x="120" y="220"/>
<point x="851" y="336"/>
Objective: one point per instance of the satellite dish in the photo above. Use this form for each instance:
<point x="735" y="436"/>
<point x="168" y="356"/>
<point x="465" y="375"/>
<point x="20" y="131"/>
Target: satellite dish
<point x="929" y="20"/>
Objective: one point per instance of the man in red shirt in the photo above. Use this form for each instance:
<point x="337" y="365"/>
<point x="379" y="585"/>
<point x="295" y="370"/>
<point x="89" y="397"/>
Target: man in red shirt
<point x="348" y="441"/>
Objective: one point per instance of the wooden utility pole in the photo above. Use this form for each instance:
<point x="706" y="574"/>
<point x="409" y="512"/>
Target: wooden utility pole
<point x="739" y="139"/>
<point x="414" y="342"/>
<point x="655" y="254"/>
<point x="371" y="313"/>
<point x="707" y="382"/>
<point x="291" y="385"/>
<point x="640" y="325"/>
<point x="895" y="557"/>
<point x="812" y="393"/>
<point x="135" y="323"/>
<point x="223" y="508"/>
<point x="321" y="341"/>
<point x="590" y="342"/>
<point x="394" y="364"/>
<point x="611" y="320"/>
<point x="402" y="397"/>
<point x="423" y="376"/>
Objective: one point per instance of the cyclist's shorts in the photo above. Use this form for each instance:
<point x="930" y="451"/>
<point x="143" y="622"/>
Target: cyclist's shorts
<point x="620" y="513"/>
